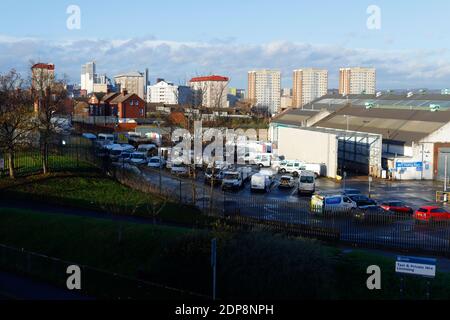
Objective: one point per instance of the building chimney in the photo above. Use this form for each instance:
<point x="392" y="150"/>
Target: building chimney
<point x="124" y="92"/>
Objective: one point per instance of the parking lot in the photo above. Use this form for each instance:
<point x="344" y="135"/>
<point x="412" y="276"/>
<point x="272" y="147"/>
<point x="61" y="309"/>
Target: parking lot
<point x="286" y="206"/>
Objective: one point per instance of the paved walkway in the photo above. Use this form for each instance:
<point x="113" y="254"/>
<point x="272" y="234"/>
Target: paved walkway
<point x="13" y="287"/>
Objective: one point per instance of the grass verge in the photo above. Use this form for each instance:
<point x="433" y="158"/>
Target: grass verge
<point x="94" y="192"/>
<point x="251" y="265"/>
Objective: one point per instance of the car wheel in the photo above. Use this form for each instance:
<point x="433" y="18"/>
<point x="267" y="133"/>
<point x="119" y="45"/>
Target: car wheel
<point x="283" y="171"/>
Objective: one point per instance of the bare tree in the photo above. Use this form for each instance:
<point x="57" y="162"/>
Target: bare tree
<point x="49" y="97"/>
<point x="16" y="117"/>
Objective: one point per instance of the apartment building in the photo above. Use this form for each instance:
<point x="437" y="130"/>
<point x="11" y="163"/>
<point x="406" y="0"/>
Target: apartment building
<point x="210" y="91"/>
<point x="88" y="75"/>
<point x="264" y="89"/>
<point x="357" y="81"/>
<point x="132" y="82"/>
<point x="162" y="92"/>
<point x="308" y="85"/>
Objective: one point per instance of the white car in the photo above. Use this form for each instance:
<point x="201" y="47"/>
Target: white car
<point x="179" y="169"/>
<point x="138" y="159"/>
<point x="157" y="162"/>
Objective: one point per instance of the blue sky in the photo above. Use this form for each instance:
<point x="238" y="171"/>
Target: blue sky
<point x="180" y="39"/>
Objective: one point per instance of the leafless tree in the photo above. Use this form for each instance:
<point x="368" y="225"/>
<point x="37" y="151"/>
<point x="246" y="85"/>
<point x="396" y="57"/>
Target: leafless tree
<point x="49" y="96"/>
<point x="16" y="117"/>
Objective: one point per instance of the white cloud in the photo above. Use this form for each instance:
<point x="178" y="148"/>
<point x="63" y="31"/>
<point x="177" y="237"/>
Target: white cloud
<point x="178" y="61"/>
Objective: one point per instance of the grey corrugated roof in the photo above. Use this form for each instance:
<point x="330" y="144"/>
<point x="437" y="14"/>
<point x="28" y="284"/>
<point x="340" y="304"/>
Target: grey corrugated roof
<point x="395" y="101"/>
<point x="294" y="116"/>
<point x="400" y="125"/>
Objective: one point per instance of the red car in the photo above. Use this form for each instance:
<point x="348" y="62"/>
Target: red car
<point x="431" y="214"/>
<point x="397" y="207"/>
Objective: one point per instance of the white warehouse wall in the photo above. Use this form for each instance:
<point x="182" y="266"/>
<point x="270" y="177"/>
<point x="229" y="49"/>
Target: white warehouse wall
<point x="308" y="146"/>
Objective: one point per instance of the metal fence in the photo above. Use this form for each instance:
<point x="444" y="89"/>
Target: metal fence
<point x="365" y="228"/>
<point x="368" y="228"/>
<point x="101" y="284"/>
<point x="67" y="153"/>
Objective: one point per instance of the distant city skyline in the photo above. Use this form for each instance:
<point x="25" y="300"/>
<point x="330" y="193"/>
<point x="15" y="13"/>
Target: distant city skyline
<point x="408" y="51"/>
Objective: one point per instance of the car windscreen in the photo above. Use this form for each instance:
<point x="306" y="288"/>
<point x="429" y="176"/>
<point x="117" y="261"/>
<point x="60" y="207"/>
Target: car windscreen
<point x="231" y="176"/>
<point x="307" y="179"/>
<point x="116" y="152"/>
<point x="138" y="156"/>
<point x="396" y="204"/>
<point x="154" y="161"/>
<point x="438" y="210"/>
<point x="362" y="203"/>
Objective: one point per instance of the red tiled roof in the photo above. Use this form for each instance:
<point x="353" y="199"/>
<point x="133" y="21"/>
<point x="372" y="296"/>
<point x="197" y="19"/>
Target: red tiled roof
<point x="43" y="66"/>
<point x="209" y="78"/>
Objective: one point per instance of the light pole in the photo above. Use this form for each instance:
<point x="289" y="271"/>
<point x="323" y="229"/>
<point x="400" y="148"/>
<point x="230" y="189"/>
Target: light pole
<point x="445" y="173"/>
<point x="160" y="160"/>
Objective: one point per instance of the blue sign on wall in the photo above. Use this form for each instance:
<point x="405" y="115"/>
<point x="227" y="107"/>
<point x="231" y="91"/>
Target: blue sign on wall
<point x="405" y="165"/>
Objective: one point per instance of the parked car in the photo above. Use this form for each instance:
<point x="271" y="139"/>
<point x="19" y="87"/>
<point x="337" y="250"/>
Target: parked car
<point x="156" y="162"/>
<point x="307" y="183"/>
<point x="276" y="162"/>
<point x="116" y="152"/>
<point x="125" y="156"/>
<point x="235" y="179"/>
<point x="89" y="136"/>
<point x="105" y="139"/>
<point x="292" y="167"/>
<point x="261" y="182"/>
<point x="330" y="203"/>
<point x="314" y="167"/>
<point x="398" y="207"/>
<point x="363" y="202"/>
<point x="148" y="149"/>
<point x="372" y="214"/>
<point x="263" y="160"/>
<point x="179" y="169"/>
<point x="287" y="182"/>
<point x="139" y="159"/>
<point x="216" y="174"/>
<point x="431" y="214"/>
<point x="351" y="192"/>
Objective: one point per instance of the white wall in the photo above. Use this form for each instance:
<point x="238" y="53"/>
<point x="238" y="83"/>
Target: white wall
<point x="308" y="146"/>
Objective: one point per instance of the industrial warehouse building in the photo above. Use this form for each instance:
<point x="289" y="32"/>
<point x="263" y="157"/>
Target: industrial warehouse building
<point x="403" y="137"/>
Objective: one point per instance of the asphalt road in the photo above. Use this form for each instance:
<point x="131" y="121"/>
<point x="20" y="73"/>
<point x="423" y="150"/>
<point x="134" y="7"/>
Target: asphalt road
<point x="287" y="206"/>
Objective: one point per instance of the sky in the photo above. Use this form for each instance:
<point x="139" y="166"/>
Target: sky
<point x="177" y="40"/>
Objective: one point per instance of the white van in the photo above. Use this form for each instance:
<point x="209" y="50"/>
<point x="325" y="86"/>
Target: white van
<point x="307" y="183"/>
<point x="263" y="160"/>
<point x="314" y="167"/>
<point x="147" y="149"/>
<point x="330" y="203"/>
<point x="260" y="182"/>
<point x="293" y="167"/>
<point x="116" y="152"/>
